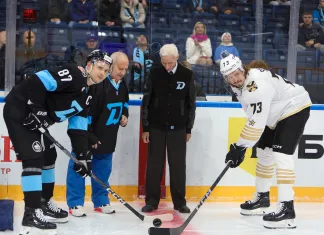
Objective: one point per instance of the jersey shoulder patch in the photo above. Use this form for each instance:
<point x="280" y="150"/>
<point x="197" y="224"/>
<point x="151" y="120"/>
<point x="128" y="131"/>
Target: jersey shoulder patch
<point x="251" y="86"/>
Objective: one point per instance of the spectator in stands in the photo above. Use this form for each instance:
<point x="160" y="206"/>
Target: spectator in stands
<point x="132" y="14"/>
<point x="198" y="46"/>
<point x="310" y="35"/>
<point x="26" y="55"/>
<point x="109" y="12"/>
<point x="79" y="55"/>
<point x="198" y="88"/>
<point x="226" y="7"/>
<point x="2" y="56"/>
<point x="142" y="63"/>
<point x="82" y="11"/>
<point x="318" y="15"/>
<point x="54" y="11"/>
<point x="280" y="2"/>
<point x="226" y="45"/>
<point x="198" y="7"/>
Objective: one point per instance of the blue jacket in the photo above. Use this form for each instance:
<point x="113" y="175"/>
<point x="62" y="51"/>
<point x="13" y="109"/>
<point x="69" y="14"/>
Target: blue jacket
<point x="79" y="11"/>
<point x="221" y="48"/>
<point x="318" y="16"/>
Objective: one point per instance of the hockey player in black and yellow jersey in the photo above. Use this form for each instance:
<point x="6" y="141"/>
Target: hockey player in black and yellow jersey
<point x="277" y="111"/>
<point x="108" y="111"/>
<point x="47" y="97"/>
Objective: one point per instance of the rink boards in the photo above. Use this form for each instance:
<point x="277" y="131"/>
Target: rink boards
<point x="217" y="125"/>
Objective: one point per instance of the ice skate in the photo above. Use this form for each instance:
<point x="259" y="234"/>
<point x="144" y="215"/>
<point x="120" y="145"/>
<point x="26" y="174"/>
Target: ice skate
<point x="283" y="217"/>
<point x="53" y="213"/>
<point x="258" y="206"/>
<point x="35" y="223"/>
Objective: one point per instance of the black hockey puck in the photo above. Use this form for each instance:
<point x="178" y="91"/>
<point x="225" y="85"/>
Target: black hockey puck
<point x="157" y="222"/>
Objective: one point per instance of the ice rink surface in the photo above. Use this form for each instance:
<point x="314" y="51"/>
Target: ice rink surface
<point x="212" y="218"/>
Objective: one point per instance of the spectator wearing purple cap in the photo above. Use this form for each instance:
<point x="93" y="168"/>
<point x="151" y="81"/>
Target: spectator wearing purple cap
<point x="79" y="55"/>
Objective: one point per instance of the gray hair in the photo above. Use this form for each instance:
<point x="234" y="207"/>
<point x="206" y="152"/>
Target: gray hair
<point x="169" y="49"/>
<point x="117" y="56"/>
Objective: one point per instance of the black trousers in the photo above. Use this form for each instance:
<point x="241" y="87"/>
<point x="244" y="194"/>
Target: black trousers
<point x="175" y="144"/>
<point x="286" y="136"/>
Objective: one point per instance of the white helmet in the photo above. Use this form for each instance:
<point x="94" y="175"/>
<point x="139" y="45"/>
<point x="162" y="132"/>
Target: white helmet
<point x="230" y="63"/>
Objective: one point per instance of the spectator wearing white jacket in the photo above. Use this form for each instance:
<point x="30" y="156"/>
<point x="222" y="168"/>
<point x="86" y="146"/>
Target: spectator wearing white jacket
<point x="198" y="46"/>
<point x="132" y="14"/>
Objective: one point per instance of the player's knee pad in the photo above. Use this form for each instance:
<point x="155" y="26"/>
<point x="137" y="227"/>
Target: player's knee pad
<point x="31" y="176"/>
<point x="265" y="164"/>
<point x="284" y="168"/>
<point x="50" y="155"/>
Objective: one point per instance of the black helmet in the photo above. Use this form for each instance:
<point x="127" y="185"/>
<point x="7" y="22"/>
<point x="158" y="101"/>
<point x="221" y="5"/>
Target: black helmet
<point x="99" y="55"/>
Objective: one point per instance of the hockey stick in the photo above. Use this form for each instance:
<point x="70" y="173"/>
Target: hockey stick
<point x="179" y="230"/>
<point x="162" y="217"/>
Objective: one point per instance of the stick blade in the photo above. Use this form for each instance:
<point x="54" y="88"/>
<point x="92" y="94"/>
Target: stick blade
<point x="162" y="217"/>
<point x="159" y="231"/>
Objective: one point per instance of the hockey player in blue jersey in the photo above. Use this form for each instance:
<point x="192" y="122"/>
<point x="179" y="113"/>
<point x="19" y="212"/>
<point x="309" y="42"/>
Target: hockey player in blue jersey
<point x="47" y="97"/>
<point x="108" y="111"/>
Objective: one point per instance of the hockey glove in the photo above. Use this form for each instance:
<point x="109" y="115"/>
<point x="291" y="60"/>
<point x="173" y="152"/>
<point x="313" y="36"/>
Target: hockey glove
<point x="84" y="168"/>
<point x="236" y="155"/>
<point x="37" y="118"/>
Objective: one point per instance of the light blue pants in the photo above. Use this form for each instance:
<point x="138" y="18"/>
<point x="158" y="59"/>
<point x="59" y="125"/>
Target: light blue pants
<point x="75" y="184"/>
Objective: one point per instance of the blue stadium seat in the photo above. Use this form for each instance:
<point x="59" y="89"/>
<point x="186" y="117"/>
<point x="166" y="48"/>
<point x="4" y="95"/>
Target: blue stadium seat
<point x="281" y="10"/>
<point x="276" y="24"/>
<point x="268" y="10"/>
<point x="81" y="31"/>
<point x="57" y="32"/>
<point x="276" y="58"/>
<point x="307" y="59"/>
<point x="300" y="77"/>
<point x="56" y="49"/>
<point x="268" y="41"/>
<point x="130" y="34"/>
<point x="247" y="54"/>
<point x="209" y="20"/>
<point x="165" y="34"/>
<point x="244" y="9"/>
<point x="158" y="20"/>
<point x="113" y="47"/>
<point x="282" y="40"/>
<point x="173" y="7"/>
<point x="179" y="22"/>
<point x="232" y="21"/>
<point x="112" y="33"/>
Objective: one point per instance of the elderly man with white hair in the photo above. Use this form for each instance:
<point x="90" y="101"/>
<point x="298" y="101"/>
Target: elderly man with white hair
<point x="168" y="114"/>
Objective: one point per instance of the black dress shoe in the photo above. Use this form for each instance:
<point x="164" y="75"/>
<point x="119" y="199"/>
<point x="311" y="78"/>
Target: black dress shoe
<point x="182" y="209"/>
<point x="149" y="208"/>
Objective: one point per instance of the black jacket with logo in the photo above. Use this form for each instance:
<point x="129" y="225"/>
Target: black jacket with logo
<point x="169" y="101"/>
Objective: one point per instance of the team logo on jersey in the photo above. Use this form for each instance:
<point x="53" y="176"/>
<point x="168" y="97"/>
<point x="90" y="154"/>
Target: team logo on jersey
<point x="251" y="122"/>
<point x="180" y="85"/>
<point x="37" y="147"/>
<point x="252" y="86"/>
<point x="82" y="71"/>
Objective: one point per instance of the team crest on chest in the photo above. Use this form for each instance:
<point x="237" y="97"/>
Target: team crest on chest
<point x="252" y="86"/>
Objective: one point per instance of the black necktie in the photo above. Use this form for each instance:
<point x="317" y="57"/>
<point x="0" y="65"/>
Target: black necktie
<point x="171" y="73"/>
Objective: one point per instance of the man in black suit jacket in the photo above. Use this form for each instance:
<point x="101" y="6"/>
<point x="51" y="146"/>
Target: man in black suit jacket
<point x="168" y="114"/>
